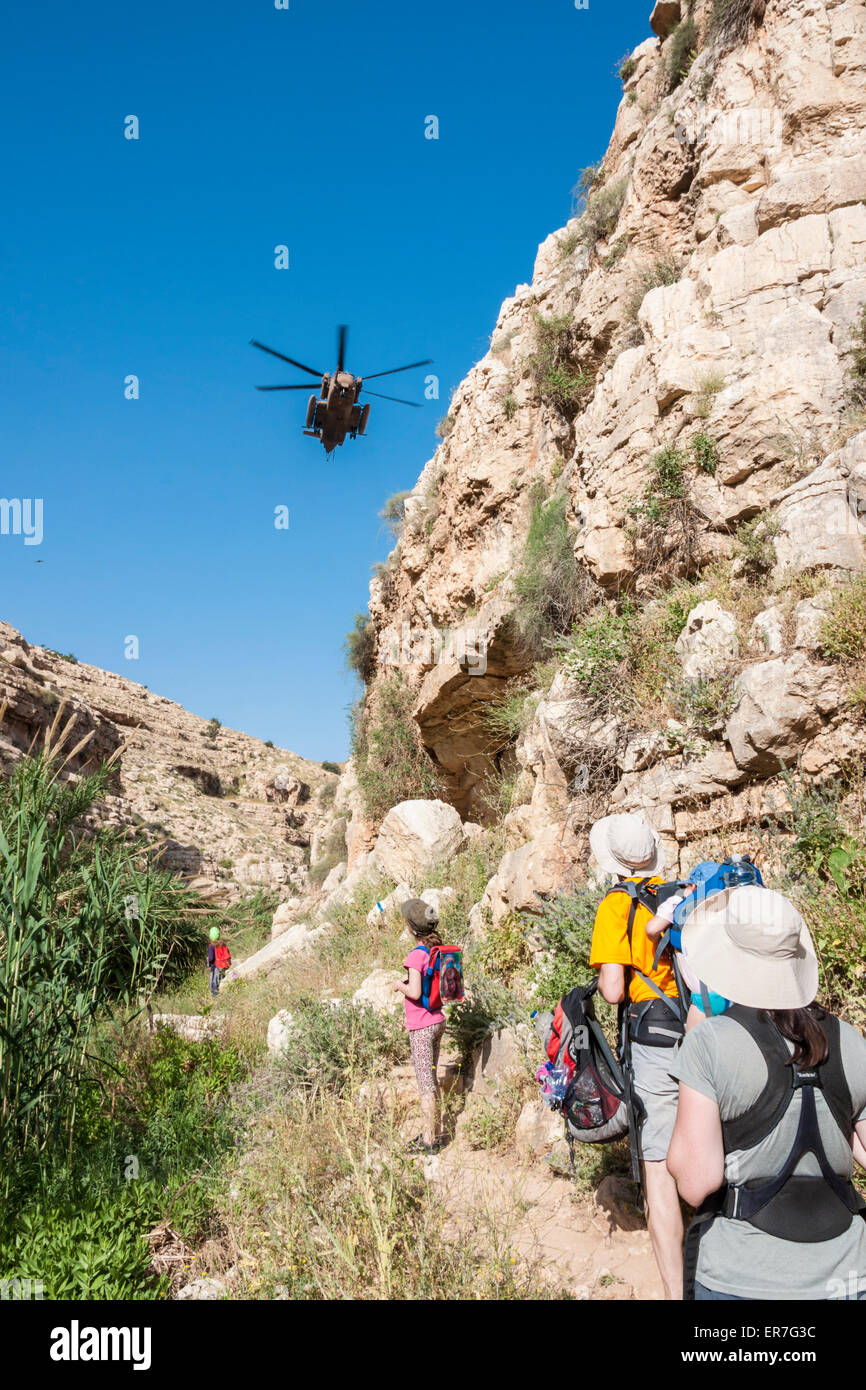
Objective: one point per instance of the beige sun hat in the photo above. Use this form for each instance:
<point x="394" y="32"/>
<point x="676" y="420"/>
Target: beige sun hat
<point x="625" y="844"/>
<point x="751" y="945"/>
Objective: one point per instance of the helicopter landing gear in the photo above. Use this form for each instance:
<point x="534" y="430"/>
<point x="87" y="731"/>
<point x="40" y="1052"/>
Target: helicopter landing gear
<point x="311" y="411"/>
<point x="365" y="415"/>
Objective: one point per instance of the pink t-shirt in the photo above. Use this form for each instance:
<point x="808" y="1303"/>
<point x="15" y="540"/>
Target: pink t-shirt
<point x="416" y="1015"/>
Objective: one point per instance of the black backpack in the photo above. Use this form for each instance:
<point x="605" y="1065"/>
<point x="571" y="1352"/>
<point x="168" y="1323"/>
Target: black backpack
<point x="594" y="1106"/>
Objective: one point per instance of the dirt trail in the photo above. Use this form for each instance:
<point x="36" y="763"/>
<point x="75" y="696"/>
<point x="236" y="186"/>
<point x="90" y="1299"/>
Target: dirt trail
<point x="543" y="1218"/>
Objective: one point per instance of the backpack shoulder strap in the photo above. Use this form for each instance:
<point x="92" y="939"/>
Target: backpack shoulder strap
<point x="748" y="1129"/>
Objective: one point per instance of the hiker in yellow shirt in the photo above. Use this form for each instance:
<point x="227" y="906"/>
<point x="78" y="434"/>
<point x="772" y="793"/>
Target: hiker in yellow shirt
<point x="625" y="846"/>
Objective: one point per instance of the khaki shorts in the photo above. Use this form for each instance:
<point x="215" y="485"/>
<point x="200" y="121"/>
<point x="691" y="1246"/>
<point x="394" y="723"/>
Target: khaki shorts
<point x="658" y="1093"/>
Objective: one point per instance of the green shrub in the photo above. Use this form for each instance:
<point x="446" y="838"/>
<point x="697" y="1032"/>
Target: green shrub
<point x="682" y="49"/>
<point x="510" y="406"/>
<point x="843" y="631"/>
<point x="504" y="950"/>
<point x="599" y="650"/>
<point x="551" y="588"/>
<point x="212" y="729"/>
<point x="269" y="743"/>
<point x="702" y="702"/>
<point x="328" y="766"/>
<point x="617" y="251"/>
<point x="359" y="646"/>
<point x="601" y="214"/>
<point x="754" y="546"/>
<point x="627" y="69"/>
<point x="588" y="180"/>
<point x="394" y="513"/>
<point x="667" y="270"/>
<point x="708" y="386"/>
<point x="705" y="453"/>
<point x="858" y="362"/>
<point x="391" y="763"/>
<point x="565" y="932"/>
<point x="557" y="382"/>
<point x="333" y="1048"/>
<point x="491" y="1121"/>
<point x="87" y="925"/>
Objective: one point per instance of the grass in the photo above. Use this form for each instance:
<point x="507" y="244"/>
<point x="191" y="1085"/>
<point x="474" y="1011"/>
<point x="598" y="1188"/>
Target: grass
<point x="491" y="1120"/>
<point x="602" y="210"/>
<point x="704" y="453"/>
<point x="445" y="425"/>
<point x="753" y="546"/>
<point x="682" y="49"/>
<point x="858" y="360"/>
<point x="334" y="1049"/>
<point x="88" y="926"/>
<point x="393" y="513"/>
<point x="556" y="380"/>
<point x="708" y="385"/>
<point x="390" y="761"/>
<point x="627" y="69"/>
<point x="843" y="632"/>
<point x="359" y="647"/>
<point x="731" y="21"/>
<point x="551" y="588"/>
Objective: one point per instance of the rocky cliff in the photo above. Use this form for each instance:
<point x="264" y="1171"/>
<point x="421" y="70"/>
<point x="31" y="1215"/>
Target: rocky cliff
<point x="684" y="379"/>
<point x="232" y="814"/>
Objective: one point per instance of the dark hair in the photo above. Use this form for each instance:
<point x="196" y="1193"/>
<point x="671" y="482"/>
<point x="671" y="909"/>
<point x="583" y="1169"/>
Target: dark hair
<point x="428" y="935"/>
<point x="803" y="1028"/>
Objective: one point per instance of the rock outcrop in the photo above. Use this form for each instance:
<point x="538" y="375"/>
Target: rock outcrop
<point x="709" y="297"/>
<point x="232" y="814"/>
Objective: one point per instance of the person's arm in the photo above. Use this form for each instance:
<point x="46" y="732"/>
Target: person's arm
<point x="696" y="1157"/>
<point x="611" y="983"/>
<point x="860" y="1143"/>
<point x="655" y="926"/>
<point x="411" y="988"/>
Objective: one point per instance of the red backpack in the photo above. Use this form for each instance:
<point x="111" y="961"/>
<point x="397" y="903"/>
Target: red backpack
<point x="442" y="977"/>
<point x="222" y="957"/>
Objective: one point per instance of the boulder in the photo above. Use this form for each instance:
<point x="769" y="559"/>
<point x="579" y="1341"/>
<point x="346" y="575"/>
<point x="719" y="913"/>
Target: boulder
<point x="203" y="1289"/>
<point x="195" y="1027"/>
<point x="708" y="643"/>
<point x="501" y="1056"/>
<point x="334" y="878"/>
<point x="416" y="836"/>
<point x="615" y="1197"/>
<point x="782" y="704"/>
<point x="809" y="617"/>
<point x="387" y="910"/>
<point x="547" y="864"/>
<point x="300" y="937"/>
<point x="766" y="632"/>
<point x="283" y="917"/>
<point x="665" y="17"/>
<point x="376" y="991"/>
<point x="538" y="1129"/>
<point x="279" y="1029"/>
<point x="437" y="897"/>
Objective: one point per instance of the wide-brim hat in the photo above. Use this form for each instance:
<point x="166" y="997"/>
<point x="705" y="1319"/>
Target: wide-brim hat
<point x="625" y="844"/>
<point x="420" y="915"/>
<point x="751" y="945"/>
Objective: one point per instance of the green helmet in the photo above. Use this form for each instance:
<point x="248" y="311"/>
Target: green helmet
<point x="214" y="933"/>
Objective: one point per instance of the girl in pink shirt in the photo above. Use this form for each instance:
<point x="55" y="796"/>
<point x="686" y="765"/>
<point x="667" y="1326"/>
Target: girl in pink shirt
<point x="425" y="1026"/>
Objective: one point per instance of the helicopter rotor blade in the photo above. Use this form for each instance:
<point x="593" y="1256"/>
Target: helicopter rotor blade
<point x="415" y="404"/>
<point x="291" y="361"/>
<point x="303" y="386"/>
<point x="368" y="376"/>
<point x="342" y="333"/>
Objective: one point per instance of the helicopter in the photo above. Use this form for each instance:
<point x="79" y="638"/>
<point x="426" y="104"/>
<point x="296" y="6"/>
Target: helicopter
<point x="337" y="411"/>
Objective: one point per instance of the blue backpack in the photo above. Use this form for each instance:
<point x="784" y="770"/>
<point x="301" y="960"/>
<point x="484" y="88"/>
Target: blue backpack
<point x="711" y="878"/>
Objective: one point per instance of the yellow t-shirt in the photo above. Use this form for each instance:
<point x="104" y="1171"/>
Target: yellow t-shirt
<point x="610" y="945"/>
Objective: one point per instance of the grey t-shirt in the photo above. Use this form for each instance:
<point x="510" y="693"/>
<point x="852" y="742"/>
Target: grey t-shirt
<point x="719" y="1059"/>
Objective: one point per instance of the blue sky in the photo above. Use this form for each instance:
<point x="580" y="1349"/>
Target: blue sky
<point x="155" y="257"/>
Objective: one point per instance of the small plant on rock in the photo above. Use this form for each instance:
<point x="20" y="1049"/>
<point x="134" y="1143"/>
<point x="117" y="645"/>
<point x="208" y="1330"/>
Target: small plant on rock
<point x="704" y="453"/>
<point x="682" y="49"/>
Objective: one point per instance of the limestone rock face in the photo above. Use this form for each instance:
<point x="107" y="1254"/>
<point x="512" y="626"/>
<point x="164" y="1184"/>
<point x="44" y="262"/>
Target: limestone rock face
<point x="416" y="836"/>
<point x="232" y="814"/>
<point x="708" y="643"/>
<point x="299" y="937"/>
<point x="782" y="705"/>
<point x="548" y="864"/>
<point x="539" y="1129"/>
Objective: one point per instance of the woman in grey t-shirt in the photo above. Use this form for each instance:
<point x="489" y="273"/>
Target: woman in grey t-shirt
<point x="751" y="945"/>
